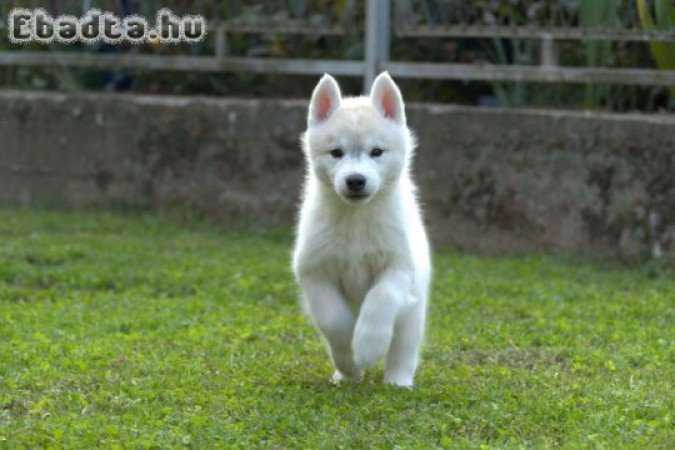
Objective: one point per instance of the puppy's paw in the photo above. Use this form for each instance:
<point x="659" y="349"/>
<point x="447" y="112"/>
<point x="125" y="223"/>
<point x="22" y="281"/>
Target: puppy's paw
<point x="399" y="381"/>
<point x="338" y="378"/>
<point x="370" y="344"/>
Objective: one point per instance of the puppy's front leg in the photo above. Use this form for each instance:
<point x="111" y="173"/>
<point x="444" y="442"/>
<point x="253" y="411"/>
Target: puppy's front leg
<point x="331" y="314"/>
<point x="375" y="325"/>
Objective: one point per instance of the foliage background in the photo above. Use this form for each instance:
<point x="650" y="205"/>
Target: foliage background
<point x="349" y="13"/>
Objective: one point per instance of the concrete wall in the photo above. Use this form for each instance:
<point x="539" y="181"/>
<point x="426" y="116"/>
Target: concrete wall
<point x="491" y="180"/>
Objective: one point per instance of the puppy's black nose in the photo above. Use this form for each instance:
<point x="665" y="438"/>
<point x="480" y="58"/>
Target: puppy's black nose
<point x="356" y="182"/>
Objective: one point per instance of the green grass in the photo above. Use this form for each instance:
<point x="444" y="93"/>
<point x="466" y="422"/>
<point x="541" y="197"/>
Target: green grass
<point x="147" y="331"/>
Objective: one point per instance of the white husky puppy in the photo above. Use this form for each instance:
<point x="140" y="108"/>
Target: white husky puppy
<point x="362" y="256"/>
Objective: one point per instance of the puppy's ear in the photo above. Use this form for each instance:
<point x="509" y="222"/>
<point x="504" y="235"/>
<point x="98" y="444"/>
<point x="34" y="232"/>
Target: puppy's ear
<point x="386" y="98"/>
<point x="325" y="100"/>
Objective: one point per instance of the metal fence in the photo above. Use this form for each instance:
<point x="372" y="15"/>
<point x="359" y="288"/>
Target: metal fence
<point x="381" y="25"/>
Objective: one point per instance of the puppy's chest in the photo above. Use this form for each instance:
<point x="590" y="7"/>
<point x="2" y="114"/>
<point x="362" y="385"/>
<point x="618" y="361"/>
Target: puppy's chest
<point x="356" y="252"/>
<point x="357" y="274"/>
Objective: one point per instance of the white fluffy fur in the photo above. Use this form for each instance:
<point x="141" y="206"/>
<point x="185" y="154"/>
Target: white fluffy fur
<point x="363" y="264"/>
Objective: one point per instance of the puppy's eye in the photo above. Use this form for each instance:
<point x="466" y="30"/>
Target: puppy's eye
<point x="376" y="152"/>
<point x="336" y="153"/>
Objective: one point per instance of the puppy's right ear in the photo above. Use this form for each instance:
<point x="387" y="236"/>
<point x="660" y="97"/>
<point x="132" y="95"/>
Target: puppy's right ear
<point x="325" y="100"/>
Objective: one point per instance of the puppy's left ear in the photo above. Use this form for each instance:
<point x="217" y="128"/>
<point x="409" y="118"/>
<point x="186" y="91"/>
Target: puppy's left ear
<point x="386" y="98"/>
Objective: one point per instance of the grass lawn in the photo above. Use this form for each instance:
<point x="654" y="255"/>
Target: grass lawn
<point x="147" y="331"/>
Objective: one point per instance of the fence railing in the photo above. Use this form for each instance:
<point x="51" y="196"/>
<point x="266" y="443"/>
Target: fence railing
<point x="378" y="32"/>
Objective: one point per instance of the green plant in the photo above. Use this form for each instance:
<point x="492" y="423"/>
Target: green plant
<point x="664" y="19"/>
<point x="598" y="14"/>
<point x="515" y="93"/>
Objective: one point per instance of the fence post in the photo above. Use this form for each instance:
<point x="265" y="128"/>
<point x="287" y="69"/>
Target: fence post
<point x="549" y="53"/>
<point x="378" y="31"/>
<point x="384" y="32"/>
<point x="221" y="42"/>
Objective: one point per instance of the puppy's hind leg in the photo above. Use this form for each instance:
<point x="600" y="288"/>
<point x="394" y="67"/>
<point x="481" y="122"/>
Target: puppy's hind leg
<point x="403" y="354"/>
<point x="331" y="314"/>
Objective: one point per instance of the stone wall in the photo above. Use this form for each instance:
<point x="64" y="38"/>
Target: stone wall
<point x="491" y="180"/>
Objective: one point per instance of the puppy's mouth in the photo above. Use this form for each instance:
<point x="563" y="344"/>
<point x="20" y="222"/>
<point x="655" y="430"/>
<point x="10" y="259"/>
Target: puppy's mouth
<point x="356" y="197"/>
